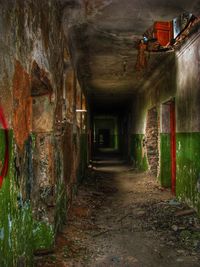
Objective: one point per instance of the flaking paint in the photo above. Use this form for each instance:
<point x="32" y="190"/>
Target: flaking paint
<point x="137" y="152"/>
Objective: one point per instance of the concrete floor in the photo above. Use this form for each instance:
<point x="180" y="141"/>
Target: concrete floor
<point x="122" y="217"/>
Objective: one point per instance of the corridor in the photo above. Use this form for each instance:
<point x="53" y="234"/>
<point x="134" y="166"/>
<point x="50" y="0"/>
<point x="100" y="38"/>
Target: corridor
<point x="99" y="133"/>
<point x="122" y="217"/>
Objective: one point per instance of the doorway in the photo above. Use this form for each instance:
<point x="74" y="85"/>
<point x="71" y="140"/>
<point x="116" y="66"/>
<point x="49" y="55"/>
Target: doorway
<point x="104" y="138"/>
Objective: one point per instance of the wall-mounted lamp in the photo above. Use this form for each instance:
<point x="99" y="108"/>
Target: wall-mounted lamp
<point x="81" y="110"/>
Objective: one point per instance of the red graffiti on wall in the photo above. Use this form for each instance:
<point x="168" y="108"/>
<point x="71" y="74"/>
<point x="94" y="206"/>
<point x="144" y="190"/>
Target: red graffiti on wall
<point x="4" y="169"/>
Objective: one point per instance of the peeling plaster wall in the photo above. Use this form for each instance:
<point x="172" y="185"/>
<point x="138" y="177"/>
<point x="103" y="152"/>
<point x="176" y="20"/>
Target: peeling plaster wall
<point x="28" y="33"/>
<point x="35" y="194"/>
<point x="188" y="122"/>
<point x="188" y="85"/>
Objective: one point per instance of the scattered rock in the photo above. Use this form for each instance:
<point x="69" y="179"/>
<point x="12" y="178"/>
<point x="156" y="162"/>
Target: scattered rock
<point x="181" y="251"/>
<point x="180" y="260"/>
<point x="175" y="228"/>
<point x="115" y="259"/>
<point x="141" y="213"/>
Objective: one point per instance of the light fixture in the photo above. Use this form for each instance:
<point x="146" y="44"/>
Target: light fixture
<point x="81" y="110"/>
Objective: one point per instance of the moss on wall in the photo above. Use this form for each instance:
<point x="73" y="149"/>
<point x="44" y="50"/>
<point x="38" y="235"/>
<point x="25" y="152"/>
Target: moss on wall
<point x="15" y="218"/>
<point x="43" y="235"/>
<point x="137" y="154"/>
<point x="165" y="160"/>
<point x="20" y="234"/>
<point x="188" y="168"/>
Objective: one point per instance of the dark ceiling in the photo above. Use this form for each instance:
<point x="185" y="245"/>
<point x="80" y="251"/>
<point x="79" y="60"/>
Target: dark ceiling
<point x="103" y="37"/>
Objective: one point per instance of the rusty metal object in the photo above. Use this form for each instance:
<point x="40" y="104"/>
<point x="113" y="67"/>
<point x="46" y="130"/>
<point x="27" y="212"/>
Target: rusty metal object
<point x="163" y="32"/>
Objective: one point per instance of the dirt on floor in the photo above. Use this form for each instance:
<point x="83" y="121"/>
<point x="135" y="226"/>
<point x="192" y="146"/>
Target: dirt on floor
<point x="122" y="217"/>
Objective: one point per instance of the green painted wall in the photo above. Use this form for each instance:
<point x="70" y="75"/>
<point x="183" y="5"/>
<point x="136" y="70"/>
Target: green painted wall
<point x="188" y="168"/>
<point x="165" y="160"/>
<point x="20" y="234"/>
<point x="136" y="152"/>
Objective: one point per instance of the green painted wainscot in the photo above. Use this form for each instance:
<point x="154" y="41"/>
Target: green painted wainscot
<point x="188" y="168"/>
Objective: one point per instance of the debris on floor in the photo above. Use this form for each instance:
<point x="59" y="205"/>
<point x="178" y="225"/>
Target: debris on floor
<point x="122" y="218"/>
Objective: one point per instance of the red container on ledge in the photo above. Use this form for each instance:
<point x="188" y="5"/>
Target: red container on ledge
<point x="163" y="32"/>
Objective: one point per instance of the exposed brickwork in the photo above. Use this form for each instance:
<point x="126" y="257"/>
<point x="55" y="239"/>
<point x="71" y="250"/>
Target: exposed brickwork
<point x="152" y="132"/>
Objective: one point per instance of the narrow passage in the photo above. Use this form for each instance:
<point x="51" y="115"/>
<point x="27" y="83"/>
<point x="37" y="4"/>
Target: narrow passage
<point x="122" y="217"/>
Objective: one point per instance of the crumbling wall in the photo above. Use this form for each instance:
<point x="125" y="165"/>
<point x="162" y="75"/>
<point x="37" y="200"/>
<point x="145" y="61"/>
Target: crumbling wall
<point x="34" y="194"/>
<point x="152" y="147"/>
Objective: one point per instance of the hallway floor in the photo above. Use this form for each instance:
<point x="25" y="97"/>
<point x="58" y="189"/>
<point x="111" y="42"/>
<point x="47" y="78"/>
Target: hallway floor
<point x="122" y="217"/>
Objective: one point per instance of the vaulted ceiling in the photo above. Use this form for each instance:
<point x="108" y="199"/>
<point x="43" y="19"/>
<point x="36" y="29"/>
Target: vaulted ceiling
<point x="103" y="37"/>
